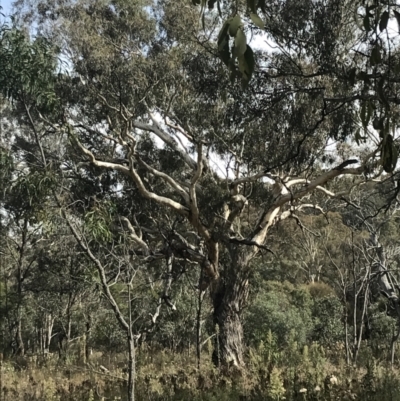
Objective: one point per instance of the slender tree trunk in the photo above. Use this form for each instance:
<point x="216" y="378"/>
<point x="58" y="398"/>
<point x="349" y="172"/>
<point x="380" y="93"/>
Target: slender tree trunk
<point x="49" y="333"/>
<point x="131" y="367"/>
<point x="87" y="338"/>
<point x="18" y="337"/>
<point x="18" y="334"/>
<point x="395" y="337"/>
<point x="198" y="329"/>
<point x="228" y="300"/>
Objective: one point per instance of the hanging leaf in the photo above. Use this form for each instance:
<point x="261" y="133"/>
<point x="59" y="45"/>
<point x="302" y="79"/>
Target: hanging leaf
<point x="357" y="137"/>
<point x="246" y="66"/>
<point x="252" y="6"/>
<point x="257" y="21"/>
<point x="395" y="156"/>
<point x="366" y="23"/>
<point x="384" y="21"/>
<point x="203" y="6"/>
<point x="378" y="123"/>
<point x="376" y="56"/>
<point x="211" y="4"/>
<point x="381" y="93"/>
<point x="369" y="10"/>
<point x="366" y="112"/>
<point x="234" y="25"/>
<point x="240" y="43"/>
<point x="232" y="76"/>
<point x="224" y="41"/>
<point x="397" y="15"/>
<point x="224" y="53"/>
<point x="385" y="128"/>
<point x="223" y="34"/>
<point x="219" y="8"/>
<point x="352" y="76"/>
<point x="389" y="154"/>
<point x="363" y="76"/>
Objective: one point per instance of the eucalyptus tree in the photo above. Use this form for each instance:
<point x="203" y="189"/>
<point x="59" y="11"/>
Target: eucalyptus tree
<point x="203" y="169"/>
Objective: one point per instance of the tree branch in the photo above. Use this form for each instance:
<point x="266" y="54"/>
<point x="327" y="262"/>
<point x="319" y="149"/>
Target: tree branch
<point x="168" y="179"/>
<point x="135" y="237"/>
<point x="130" y="171"/>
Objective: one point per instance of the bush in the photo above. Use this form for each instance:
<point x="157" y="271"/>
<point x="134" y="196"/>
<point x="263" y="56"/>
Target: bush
<point x="327" y="315"/>
<point x="283" y="309"/>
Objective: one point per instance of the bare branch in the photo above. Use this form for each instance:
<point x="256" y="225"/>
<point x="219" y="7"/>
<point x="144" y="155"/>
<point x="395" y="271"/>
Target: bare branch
<point x="130" y="171"/>
<point x="99" y="266"/>
<point x="268" y="217"/>
<point x="134" y="236"/>
<point x="251" y="243"/>
<point x="251" y="178"/>
<point x="168" y="179"/>
<point x="165" y="137"/>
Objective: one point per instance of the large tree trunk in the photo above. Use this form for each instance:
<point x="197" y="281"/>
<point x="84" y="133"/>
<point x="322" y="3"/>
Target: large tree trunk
<point x="228" y="301"/>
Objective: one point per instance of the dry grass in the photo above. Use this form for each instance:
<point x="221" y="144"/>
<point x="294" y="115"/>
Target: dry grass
<point x="162" y="375"/>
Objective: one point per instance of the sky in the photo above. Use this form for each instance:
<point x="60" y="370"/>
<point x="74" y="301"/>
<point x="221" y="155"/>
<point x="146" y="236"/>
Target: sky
<point x="6" y="4"/>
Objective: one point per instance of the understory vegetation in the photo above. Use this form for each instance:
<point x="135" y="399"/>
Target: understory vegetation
<point x="292" y="372"/>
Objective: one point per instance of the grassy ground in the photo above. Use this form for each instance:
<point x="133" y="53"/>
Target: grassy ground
<point x="306" y="374"/>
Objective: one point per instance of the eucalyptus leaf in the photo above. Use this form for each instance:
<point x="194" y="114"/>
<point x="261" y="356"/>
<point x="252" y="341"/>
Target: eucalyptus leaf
<point x="384" y="21"/>
<point x="240" y="43"/>
<point x="257" y="20"/>
<point x="236" y="22"/>
<point x="352" y="76"/>
<point x="376" y="57"/>
<point x="223" y="33"/>
<point x="397" y="15"/>
<point x="261" y="5"/>
<point x="366" y="23"/>
<point x="252" y="6"/>
<point x="224" y="52"/>
<point x="247" y="64"/>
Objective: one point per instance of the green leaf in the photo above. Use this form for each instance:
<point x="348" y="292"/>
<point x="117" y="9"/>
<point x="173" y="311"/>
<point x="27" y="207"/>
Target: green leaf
<point x="246" y="65"/>
<point x="234" y="25"/>
<point x="384" y="21"/>
<point x="397" y="15"/>
<point x="257" y="21"/>
<point x="240" y="43"/>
